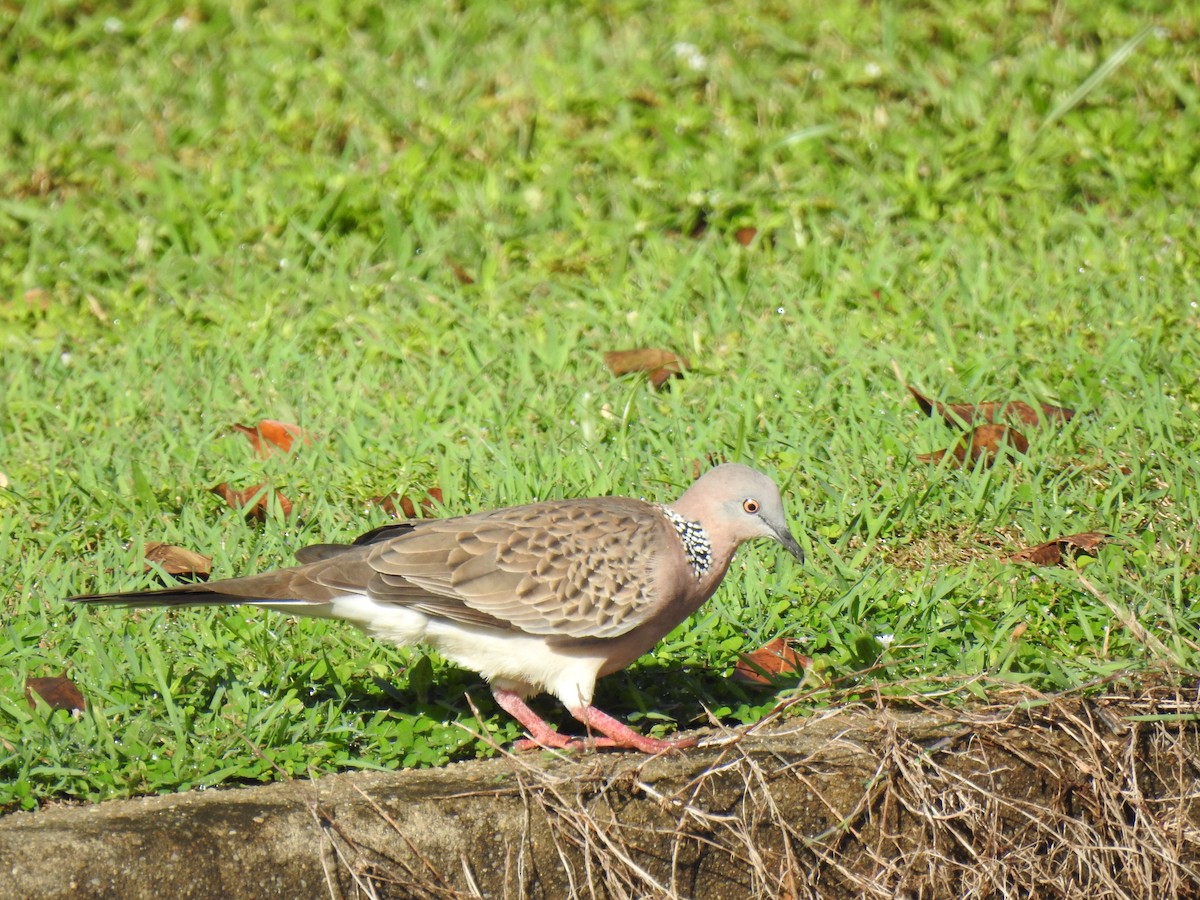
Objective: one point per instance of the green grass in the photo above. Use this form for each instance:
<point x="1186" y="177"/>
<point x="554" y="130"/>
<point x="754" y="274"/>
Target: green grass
<point x="245" y="212"/>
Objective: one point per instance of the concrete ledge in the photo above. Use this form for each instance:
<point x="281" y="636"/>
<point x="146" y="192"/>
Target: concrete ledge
<point x="847" y="804"/>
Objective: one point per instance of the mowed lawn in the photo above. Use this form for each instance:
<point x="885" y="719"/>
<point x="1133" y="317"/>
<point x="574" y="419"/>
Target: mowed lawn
<point x="414" y="230"/>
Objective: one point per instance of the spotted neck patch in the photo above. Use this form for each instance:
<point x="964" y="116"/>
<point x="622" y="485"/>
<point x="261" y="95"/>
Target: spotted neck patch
<point x="696" y="546"/>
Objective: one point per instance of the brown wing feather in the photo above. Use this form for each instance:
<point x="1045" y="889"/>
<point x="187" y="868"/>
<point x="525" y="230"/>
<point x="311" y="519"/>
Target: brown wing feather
<point x="572" y="568"/>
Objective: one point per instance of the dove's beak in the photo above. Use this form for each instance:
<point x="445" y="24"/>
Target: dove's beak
<point x="789" y="543"/>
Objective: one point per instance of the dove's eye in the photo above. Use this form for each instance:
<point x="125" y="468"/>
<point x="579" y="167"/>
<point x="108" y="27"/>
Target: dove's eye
<point x="750" y="505"/>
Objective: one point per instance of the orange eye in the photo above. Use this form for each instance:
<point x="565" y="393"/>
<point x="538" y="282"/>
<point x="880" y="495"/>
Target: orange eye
<point x="750" y="505"/>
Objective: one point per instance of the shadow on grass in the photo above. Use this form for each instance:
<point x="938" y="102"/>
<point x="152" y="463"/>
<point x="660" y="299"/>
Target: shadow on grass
<point x="649" y="694"/>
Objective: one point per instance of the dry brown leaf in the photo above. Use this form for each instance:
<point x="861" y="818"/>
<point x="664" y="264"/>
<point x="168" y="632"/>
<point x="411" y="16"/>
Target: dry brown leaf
<point x="645" y="97"/>
<point x="660" y="365"/>
<point x="775" y="660"/>
<point x="403" y="508"/>
<point x="1052" y="553"/>
<point x="177" y="560"/>
<point x="461" y="275"/>
<point x="745" y="236"/>
<point x="270" y="435"/>
<point x="984" y="442"/>
<point x="96" y="309"/>
<point x="58" y="692"/>
<point x="239" y="500"/>
<point x="959" y="415"/>
<point x="956" y="415"/>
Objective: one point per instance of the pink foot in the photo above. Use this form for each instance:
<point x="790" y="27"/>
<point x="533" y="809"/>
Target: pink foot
<point x="622" y="736"/>
<point x="618" y="735"/>
<point x="542" y="734"/>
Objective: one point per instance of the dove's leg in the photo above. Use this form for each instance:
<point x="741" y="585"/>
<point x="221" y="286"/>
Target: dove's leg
<point x="621" y="735"/>
<point x="542" y="734"/>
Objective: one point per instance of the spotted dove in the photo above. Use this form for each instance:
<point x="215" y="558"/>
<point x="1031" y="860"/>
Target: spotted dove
<point x="544" y="597"/>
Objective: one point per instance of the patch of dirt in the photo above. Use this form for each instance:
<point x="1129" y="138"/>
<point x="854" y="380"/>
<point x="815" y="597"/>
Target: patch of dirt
<point x="1040" y="797"/>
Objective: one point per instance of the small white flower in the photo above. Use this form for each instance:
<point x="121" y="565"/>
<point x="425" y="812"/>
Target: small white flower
<point x="885" y="640"/>
<point x="113" y="25"/>
<point x="690" y="56"/>
<point x="873" y="70"/>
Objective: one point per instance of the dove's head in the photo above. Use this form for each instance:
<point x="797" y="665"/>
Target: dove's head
<point x="734" y="503"/>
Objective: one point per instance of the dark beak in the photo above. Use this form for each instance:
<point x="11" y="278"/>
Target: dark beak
<point x="789" y="543"/>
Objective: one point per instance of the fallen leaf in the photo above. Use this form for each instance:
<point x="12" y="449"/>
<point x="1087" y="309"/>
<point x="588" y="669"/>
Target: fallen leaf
<point x="240" y="499"/>
<point x="660" y="365"/>
<point x="1053" y="552"/>
<point x="983" y="442"/>
<point x="745" y="236"/>
<point x="403" y="508"/>
<point x="177" y="560"/>
<point x="711" y="460"/>
<point x="775" y="660"/>
<point x="645" y="97"/>
<point x="270" y="435"/>
<point x="956" y="415"/>
<point x="96" y="309"/>
<point x="58" y="692"/>
<point x="959" y="415"/>
<point x="461" y="275"/>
